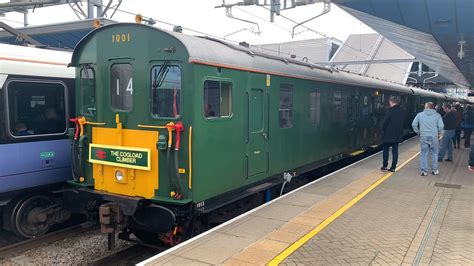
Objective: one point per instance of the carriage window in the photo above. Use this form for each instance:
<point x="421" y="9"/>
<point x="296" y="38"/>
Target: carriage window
<point x="315" y="108"/>
<point x="166" y="91"/>
<point x="88" y="106"/>
<point x="217" y="99"/>
<point x="286" y="106"/>
<point x="337" y="101"/>
<point x="121" y="87"/>
<point x="36" y="108"/>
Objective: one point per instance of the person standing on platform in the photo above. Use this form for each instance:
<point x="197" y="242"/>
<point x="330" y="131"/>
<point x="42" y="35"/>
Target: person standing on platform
<point x="428" y="125"/>
<point x="468" y="125"/>
<point x="449" y="120"/>
<point x="392" y="132"/>
<point x="457" y="131"/>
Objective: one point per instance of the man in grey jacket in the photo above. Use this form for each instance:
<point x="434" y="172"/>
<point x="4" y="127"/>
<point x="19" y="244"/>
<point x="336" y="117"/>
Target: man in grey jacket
<point x="428" y="125"/>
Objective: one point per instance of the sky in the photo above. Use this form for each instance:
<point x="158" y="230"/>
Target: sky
<point x="201" y="15"/>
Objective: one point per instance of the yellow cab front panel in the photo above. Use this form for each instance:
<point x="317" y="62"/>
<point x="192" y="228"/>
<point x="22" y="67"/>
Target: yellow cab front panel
<point x="125" y="161"/>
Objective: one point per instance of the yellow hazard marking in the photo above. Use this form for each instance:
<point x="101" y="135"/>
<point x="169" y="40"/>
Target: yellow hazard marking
<point x="296" y="245"/>
<point x="357" y="152"/>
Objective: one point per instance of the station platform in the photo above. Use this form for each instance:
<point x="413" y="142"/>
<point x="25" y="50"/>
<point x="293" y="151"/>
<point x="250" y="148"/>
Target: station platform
<point x="357" y="215"/>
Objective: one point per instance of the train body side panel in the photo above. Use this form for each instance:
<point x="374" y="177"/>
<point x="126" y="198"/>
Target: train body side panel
<point x="31" y="164"/>
<point x="349" y="118"/>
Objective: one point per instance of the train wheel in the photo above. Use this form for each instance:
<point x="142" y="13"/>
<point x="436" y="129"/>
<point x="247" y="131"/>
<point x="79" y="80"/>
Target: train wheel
<point x="27" y="218"/>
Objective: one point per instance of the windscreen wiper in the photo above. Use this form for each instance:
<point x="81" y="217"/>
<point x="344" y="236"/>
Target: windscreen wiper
<point x="160" y="76"/>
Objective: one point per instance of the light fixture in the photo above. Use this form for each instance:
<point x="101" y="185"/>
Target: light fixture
<point x="119" y="175"/>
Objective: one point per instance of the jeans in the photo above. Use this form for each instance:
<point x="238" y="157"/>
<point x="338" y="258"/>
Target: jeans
<point x="446" y="144"/>
<point x="428" y="144"/>
<point x="467" y="137"/>
<point x="386" y="146"/>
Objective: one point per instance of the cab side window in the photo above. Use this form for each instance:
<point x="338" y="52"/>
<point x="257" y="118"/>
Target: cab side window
<point x="36" y="108"/>
<point x="87" y="81"/>
<point x="166" y="91"/>
<point x="217" y="99"/>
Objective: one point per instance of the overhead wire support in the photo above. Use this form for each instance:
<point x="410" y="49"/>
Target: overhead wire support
<point x="228" y="12"/>
<point x="20" y="36"/>
<point x="326" y="9"/>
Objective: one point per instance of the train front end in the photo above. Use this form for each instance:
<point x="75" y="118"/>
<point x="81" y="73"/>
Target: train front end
<point x="131" y="144"/>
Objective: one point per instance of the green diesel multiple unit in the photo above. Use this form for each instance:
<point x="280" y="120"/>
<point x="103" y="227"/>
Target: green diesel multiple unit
<point x="173" y="127"/>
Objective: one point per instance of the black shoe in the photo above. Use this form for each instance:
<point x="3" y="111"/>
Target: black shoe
<point x="448" y="160"/>
<point x="384" y="169"/>
<point x="391" y="170"/>
<point x="440" y="160"/>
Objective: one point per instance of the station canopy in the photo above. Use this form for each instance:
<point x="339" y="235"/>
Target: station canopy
<point x="440" y="33"/>
<point x="61" y="35"/>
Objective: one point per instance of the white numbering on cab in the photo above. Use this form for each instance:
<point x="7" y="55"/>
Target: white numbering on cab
<point x="129" y="86"/>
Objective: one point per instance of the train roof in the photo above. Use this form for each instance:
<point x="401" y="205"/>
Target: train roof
<point x="29" y="61"/>
<point x="209" y="51"/>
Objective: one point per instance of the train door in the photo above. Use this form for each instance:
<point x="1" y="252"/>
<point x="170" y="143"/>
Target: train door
<point x="257" y="156"/>
<point x="375" y="117"/>
<point x="353" y="118"/>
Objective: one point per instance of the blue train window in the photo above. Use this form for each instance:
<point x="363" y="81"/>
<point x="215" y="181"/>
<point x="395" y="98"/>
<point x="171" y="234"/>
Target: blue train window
<point x="166" y="91"/>
<point x="36" y="108"/>
<point x="286" y="106"/>
<point x="121" y="87"/>
<point x="217" y="99"/>
<point x="88" y="104"/>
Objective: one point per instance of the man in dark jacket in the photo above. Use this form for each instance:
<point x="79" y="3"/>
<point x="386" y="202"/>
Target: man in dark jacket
<point x="449" y="120"/>
<point x="392" y="132"/>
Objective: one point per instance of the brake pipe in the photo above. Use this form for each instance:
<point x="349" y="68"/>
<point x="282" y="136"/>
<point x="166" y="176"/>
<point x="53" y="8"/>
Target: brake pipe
<point x="82" y="121"/>
<point x="179" y="128"/>
<point x="170" y="127"/>
<point x="76" y="123"/>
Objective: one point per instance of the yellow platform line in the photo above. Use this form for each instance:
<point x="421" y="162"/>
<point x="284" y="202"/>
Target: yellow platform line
<point x="296" y="245"/>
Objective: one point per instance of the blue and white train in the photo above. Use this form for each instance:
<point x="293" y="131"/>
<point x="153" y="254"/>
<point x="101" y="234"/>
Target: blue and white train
<point x="36" y="101"/>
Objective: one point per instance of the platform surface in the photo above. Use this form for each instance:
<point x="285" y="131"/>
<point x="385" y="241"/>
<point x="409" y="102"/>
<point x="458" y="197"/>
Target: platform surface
<point x="358" y="215"/>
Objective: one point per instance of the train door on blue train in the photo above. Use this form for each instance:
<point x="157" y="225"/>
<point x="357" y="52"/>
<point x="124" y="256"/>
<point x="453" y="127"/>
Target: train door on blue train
<point x="257" y="155"/>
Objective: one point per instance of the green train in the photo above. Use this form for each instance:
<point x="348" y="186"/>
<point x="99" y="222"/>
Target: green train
<point x="175" y="128"/>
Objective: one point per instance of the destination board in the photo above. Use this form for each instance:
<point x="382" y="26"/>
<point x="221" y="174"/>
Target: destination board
<point x="128" y="157"/>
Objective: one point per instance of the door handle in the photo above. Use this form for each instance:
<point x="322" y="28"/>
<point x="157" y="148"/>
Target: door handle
<point x="264" y="135"/>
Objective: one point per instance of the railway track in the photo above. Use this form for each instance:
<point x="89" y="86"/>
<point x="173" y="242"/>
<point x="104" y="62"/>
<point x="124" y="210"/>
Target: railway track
<point x="23" y="246"/>
<point x="129" y="255"/>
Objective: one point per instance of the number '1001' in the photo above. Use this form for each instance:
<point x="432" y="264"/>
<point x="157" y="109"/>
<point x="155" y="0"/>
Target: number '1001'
<point x="117" y="38"/>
